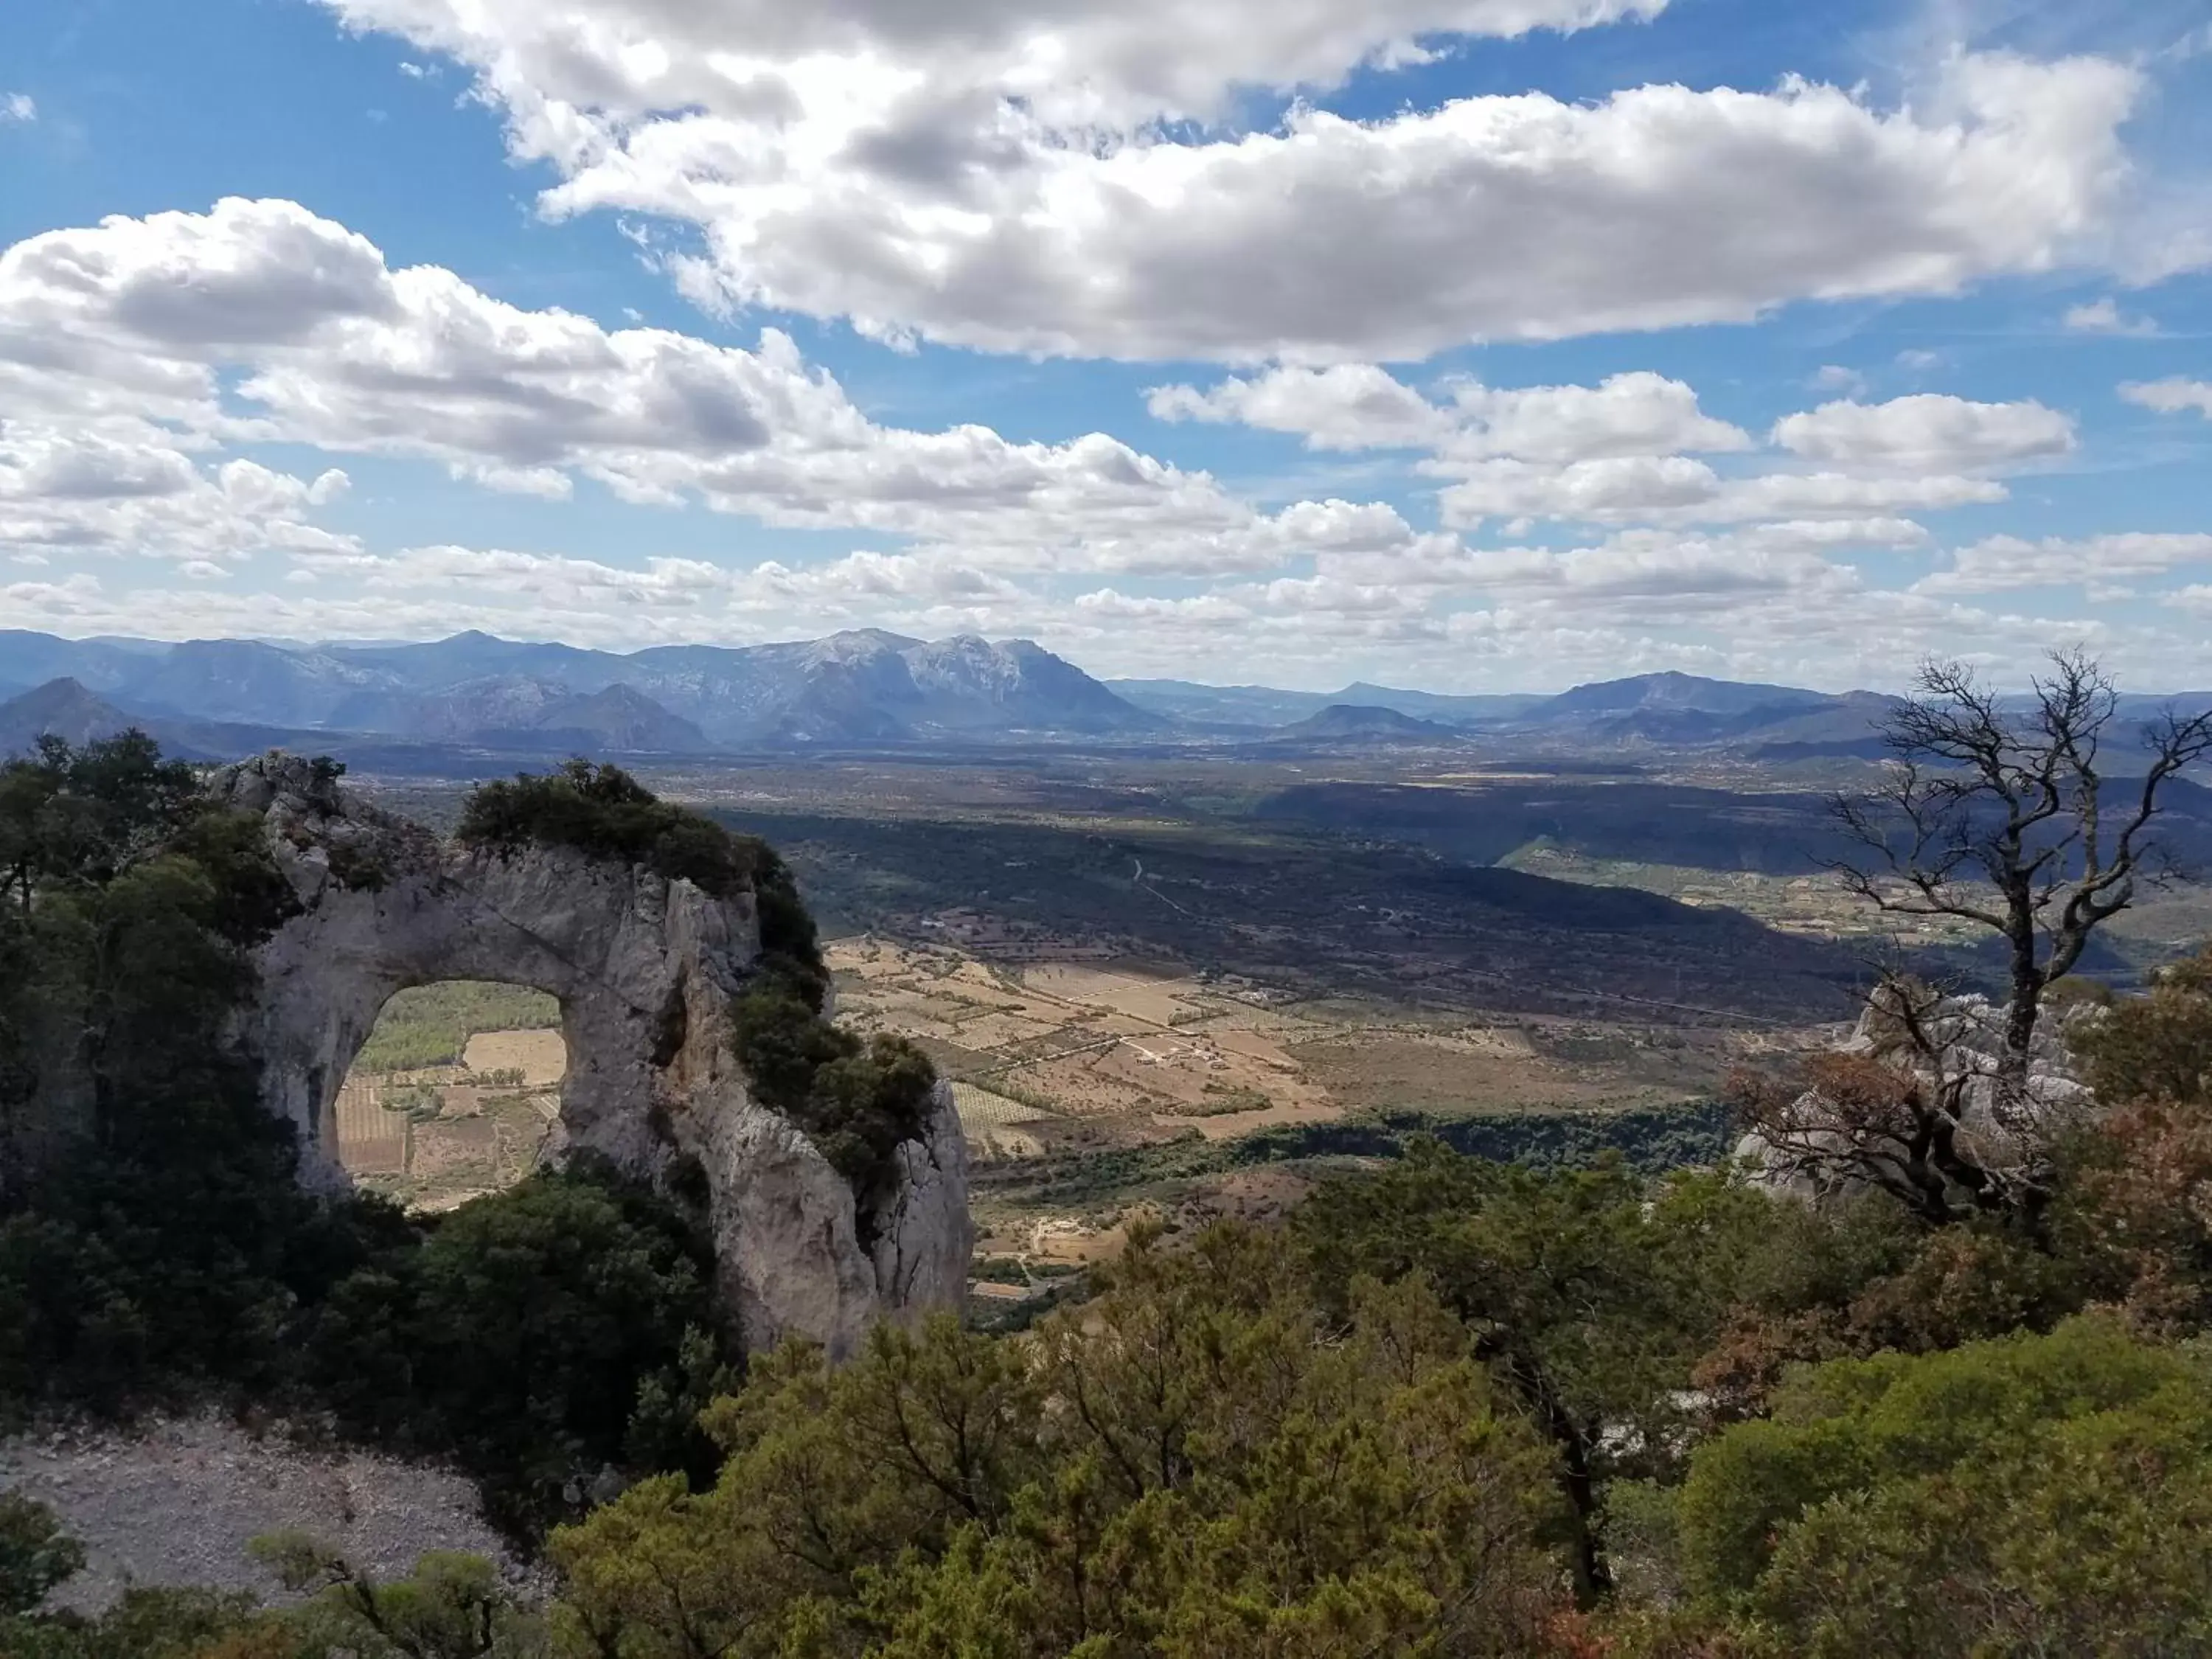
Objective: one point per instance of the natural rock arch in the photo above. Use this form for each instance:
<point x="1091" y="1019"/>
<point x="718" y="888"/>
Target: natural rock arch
<point x="644" y="968"/>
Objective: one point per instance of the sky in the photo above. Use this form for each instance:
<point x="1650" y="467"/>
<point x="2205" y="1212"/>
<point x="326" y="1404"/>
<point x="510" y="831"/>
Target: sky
<point x="1472" y="346"/>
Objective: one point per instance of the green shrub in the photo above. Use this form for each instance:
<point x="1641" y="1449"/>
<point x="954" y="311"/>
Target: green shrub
<point x="523" y="1335"/>
<point x="856" y="1101"/>
<point x="604" y="812"/>
<point x="35" y="1554"/>
<point x="2157" y="1046"/>
<point x="2032" y="1494"/>
<point x="148" y="1622"/>
<point x="154" y="1245"/>
<point x="151" y="1237"/>
<point x="1201" y="1461"/>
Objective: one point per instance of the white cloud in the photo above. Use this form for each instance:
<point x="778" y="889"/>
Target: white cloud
<point x="1834" y="377"/>
<point x="330" y="347"/>
<point x="2174" y="396"/>
<point x="86" y="490"/>
<point x="1612" y="490"/>
<point x="1625" y="416"/>
<point x="18" y="109"/>
<point x="1350" y="407"/>
<point x="2003" y="562"/>
<point x="993" y="176"/>
<point x="1608" y="454"/>
<point x="1930" y="432"/>
<point x="1344" y="406"/>
<point x="1677" y="491"/>
<point x="2104" y="317"/>
<point x="548" y="483"/>
<point x="1667" y="579"/>
<point x="134" y="356"/>
<point x="1847" y="497"/>
<point x="1535" y="619"/>
<point x="1612" y="454"/>
<point x="1077" y="64"/>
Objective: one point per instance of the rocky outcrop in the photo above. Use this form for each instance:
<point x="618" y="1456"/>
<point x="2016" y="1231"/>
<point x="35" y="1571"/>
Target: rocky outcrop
<point x="2002" y="1126"/>
<point x="644" y="968"/>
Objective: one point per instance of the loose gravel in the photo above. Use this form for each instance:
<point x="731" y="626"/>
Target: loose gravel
<point x="173" y="1501"/>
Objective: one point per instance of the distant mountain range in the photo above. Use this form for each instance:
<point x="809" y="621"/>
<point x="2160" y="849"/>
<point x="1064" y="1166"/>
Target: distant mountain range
<point x="1347" y="722"/>
<point x="1662" y="710"/>
<point x="863" y="688"/>
<point x="1253" y="706"/>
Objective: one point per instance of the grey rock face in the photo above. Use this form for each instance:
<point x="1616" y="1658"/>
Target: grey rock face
<point x="643" y="968"/>
<point x="2004" y="1129"/>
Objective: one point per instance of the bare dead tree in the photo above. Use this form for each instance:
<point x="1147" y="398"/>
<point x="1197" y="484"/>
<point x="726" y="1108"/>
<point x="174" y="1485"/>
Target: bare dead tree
<point x="2004" y="817"/>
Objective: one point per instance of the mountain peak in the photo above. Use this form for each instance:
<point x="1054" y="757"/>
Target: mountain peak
<point x="60" y="708"/>
<point x="1368" y="722"/>
<point x="1672" y="689"/>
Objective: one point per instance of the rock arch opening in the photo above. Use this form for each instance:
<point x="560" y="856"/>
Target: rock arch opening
<point x="455" y="1093"/>
<point x="647" y="966"/>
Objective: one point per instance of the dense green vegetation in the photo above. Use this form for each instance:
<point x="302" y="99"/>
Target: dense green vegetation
<point x="2031" y="1494"/>
<point x="539" y="1335"/>
<point x="149" y="1229"/>
<point x="451" y="1607"/>
<point x="431" y="1025"/>
<point x="1459" y="1408"/>
<point x="1652" y="1140"/>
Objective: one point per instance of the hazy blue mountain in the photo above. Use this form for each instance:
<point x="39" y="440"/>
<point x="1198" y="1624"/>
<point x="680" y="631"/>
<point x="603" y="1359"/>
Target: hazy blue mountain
<point x="1344" y="722"/>
<point x="1671" y="692"/>
<point x="244" y="680"/>
<point x="518" y="711"/>
<point x="865" y="686"/>
<point x="66" y="709"/>
<point x="450" y="713"/>
<point x="969" y="681"/>
<point x="1266" y="706"/>
<point x="61" y="709"/>
<point x="1836" y="722"/>
<point x="617" y="720"/>
<point x="2139" y="708"/>
<point x="868" y="686"/>
<point x="1193" y="704"/>
<point x="1440" y="705"/>
<point x="28" y="660"/>
<point x="463" y="657"/>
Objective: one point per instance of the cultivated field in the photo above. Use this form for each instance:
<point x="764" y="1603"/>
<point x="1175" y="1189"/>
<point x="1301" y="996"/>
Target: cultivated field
<point x="433" y="1136"/>
<point x="1139" y="1048"/>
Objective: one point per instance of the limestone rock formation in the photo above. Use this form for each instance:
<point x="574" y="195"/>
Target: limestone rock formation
<point x="1959" y="1057"/>
<point x="644" y="968"/>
